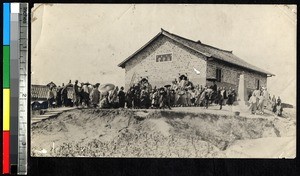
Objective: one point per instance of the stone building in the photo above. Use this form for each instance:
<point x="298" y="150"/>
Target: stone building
<point x="166" y="56"/>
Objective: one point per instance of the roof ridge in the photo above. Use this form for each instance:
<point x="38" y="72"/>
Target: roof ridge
<point x="217" y="48"/>
<point x="178" y="36"/>
<point x="197" y="42"/>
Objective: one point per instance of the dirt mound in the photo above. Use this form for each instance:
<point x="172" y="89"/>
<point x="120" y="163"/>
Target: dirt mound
<point x="151" y="133"/>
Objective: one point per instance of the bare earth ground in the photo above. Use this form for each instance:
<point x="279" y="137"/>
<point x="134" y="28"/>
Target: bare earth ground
<point x="182" y="132"/>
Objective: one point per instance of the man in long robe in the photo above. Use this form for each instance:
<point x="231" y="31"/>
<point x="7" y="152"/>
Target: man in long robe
<point x="76" y="95"/>
<point x="64" y="95"/>
<point x="86" y="95"/>
<point x="50" y="97"/>
<point x="95" y="96"/>
<point x="121" y="96"/>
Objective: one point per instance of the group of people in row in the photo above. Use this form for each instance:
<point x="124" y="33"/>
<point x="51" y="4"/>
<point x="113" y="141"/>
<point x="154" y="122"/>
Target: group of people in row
<point x="142" y="95"/>
<point x="180" y="93"/>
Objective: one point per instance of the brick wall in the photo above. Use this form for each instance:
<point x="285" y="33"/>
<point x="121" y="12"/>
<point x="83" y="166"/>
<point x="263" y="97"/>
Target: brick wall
<point x="230" y="75"/>
<point x="162" y="73"/>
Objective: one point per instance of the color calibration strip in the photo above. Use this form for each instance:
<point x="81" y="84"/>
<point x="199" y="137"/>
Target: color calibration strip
<point x="15" y="68"/>
<point x="6" y="89"/>
<point x="23" y="89"/>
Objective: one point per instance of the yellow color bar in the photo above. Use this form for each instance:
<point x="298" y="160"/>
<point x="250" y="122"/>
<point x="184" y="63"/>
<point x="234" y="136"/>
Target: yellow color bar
<point x="6" y="109"/>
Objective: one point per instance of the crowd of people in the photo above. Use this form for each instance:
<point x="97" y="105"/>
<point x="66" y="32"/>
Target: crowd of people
<point x="181" y="93"/>
<point x="259" y="99"/>
<point x="140" y="95"/>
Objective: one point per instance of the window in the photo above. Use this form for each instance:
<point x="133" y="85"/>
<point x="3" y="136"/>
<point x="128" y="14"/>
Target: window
<point x="257" y="84"/>
<point x="163" y="57"/>
<point x="218" y="74"/>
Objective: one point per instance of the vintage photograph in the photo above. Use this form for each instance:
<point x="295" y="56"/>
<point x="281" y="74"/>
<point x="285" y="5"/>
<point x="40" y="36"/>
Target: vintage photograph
<point x="163" y="80"/>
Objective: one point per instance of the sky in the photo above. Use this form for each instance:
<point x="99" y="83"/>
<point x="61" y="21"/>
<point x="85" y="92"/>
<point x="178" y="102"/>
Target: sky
<point x="88" y="41"/>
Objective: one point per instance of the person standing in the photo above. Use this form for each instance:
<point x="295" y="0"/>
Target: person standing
<point x="193" y="96"/>
<point x="76" y="94"/>
<point x="86" y="95"/>
<point x="188" y="96"/>
<point x="266" y="97"/>
<point x="225" y="97"/>
<point x="95" y="96"/>
<point x="58" y="96"/>
<point x="81" y="93"/>
<point x="64" y="95"/>
<point x="174" y="85"/>
<point x="279" y="108"/>
<point x="121" y="96"/>
<point x="155" y="98"/>
<point x="234" y="94"/>
<point x="253" y="103"/>
<point x="214" y="86"/>
<point x="260" y="103"/>
<point x="50" y="97"/>
<point x="144" y="98"/>
<point x="274" y="104"/>
<point x="136" y="97"/>
<point x="168" y="97"/>
<point x="230" y="98"/>
<point x="172" y="98"/>
<point x="250" y="94"/>
<point x="129" y="97"/>
<point x="113" y="97"/>
<point x="220" y="97"/>
<point x="104" y="103"/>
<point x="162" y="98"/>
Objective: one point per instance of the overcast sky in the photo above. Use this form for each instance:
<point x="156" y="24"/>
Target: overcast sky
<point x="87" y="42"/>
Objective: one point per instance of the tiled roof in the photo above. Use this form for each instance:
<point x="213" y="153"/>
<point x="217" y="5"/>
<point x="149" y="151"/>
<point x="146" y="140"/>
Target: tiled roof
<point x="39" y="92"/>
<point x="206" y="50"/>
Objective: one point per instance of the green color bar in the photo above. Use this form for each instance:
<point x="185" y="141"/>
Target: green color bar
<point x="6" y="67"/>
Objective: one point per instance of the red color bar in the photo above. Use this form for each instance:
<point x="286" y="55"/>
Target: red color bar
<point x="6" y="159"/>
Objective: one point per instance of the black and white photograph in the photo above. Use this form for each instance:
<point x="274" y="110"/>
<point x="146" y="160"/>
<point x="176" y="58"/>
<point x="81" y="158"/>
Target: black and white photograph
<point x="163" y="81"/>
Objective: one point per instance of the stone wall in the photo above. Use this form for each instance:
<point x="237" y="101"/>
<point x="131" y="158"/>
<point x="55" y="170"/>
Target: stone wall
<point x="230" y="75"/>
<point x="184" y="59"/>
